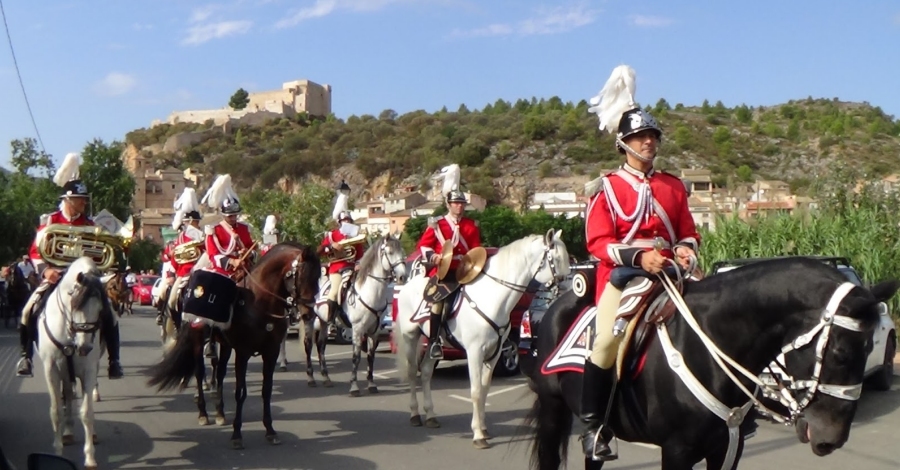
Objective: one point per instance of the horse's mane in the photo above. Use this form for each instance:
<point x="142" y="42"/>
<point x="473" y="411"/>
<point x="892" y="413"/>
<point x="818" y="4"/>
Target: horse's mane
<point x="91" y="286"/>
<point x="368" y="260"/>
<point x="274" y="263"/>
<point x="776" y="281"/>
<point x="511" y="253"/>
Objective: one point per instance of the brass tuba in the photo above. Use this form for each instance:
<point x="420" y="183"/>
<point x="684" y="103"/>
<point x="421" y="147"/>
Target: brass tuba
<point x="188" y="252"/>
<point x="347" y="250"/>
<point x="60" y="245"/>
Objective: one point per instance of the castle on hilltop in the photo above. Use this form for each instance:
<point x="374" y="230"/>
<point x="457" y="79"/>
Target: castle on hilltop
<point x="298" y="96"/>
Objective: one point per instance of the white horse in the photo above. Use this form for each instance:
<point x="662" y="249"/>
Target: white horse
<point x="69" y="347"/>
<point x="370" y="295"/>
<point x="481" y="323"/>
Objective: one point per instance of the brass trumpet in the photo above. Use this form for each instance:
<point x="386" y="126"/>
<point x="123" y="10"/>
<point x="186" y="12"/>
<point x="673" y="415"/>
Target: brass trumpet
<point x="347" y="250"/>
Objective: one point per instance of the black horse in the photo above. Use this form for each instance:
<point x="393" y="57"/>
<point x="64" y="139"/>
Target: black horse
<point x="750" y="314"/>
<point x="286" y="276"/>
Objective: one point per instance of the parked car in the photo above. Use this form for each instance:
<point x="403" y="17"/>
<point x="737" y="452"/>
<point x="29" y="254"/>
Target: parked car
<point x="880" y="363"/>
<point x="158" y="289"/>
<point x="508" y="364"/>
<point x="141" y="290"/>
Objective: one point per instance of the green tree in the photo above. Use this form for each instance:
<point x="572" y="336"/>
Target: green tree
<point x="302" y="217"/>
<point x="743" y="114"/>
<point x="744" y="173"/>
<point x="26" y="157"/>
<point x="144" y="254"/>
<point x="239" y="100"/>
<point x="109" y="182"/>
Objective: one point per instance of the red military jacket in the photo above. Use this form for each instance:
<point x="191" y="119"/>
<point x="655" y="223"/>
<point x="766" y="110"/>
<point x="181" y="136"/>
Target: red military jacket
<point x="189" y="234"/>
<point x="224" y="242"/>
<point x="338" y="266"/>
<point x="626" y="216"/>
<point x="439" y="230"/>
<point x="54" y="218"/>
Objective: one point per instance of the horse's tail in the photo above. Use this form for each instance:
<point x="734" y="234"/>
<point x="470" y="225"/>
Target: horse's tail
<point x="177" y="365"/>
<point x="550" y="420"/>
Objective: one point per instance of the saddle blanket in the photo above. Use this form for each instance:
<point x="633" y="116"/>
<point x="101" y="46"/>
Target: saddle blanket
<point x="424" y="311"/>
<point x="209" y="298"/>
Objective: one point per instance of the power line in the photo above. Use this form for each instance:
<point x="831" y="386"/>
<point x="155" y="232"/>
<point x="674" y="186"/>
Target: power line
<point x="21" y="84"/>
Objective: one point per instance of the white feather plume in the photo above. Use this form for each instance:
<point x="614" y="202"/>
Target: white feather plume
<point x="450" y="174"/>
<point x="269" y="227"/>
<point x="187" y="201"/>
<point x="341" y="203"/>
<point x="616" y="97"/>
<point x="178" y="219"/>
<point x="219" y="191"/>
<point x="68" y="171"/>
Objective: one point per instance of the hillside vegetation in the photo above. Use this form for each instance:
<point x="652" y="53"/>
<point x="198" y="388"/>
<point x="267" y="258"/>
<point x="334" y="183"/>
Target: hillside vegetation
<point x="531" y="140"/>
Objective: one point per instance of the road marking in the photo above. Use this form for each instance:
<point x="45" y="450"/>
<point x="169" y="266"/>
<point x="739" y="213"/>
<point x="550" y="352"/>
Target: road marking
<point x="384" y="375"/>
<point x="495" y="392"/>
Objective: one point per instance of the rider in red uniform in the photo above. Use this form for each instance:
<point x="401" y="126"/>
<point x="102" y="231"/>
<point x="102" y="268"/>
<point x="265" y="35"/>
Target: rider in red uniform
<point x="229" y="240"/>
<point x="462" y="232"/>
<point x="71" y="211"/>
<point x="187" y="222"/>
<point x="637" y="217"/>
<point x="330" y="243"/>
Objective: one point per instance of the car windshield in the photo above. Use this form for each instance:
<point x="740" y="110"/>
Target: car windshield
<point x="148" y="281"/>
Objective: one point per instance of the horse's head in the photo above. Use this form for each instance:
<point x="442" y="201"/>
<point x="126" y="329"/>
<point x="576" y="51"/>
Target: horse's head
<point x="299" y="269"/>
<point x="81" y="301"/>
<point x="554" y="267"/>
<point x="828" y="358"/>
<point x="385" y="260"/>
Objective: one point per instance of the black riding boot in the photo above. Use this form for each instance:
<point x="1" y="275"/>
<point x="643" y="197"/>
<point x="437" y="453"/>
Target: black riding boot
<point x="26" y="343"/>
<point x="111" y="333"/>
<point x="435" y="351"/>
<point x="593" y="411"/>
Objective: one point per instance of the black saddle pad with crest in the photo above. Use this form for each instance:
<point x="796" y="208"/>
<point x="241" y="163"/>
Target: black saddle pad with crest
<point x="437" y="290"/>
<point x="210" y="295"/>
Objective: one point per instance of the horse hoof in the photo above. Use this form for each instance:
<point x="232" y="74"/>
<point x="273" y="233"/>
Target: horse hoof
<point x="282" y="368"/>
<point x="95" y="439"/>
<point x="415" y="421"/>
<point x="205" y="386"/>
<point x="354" y="393"/>
<point x="273" y="439"/>
<point x="481" y="444"/>
<point x="311" y="383"/>
<point x="203" y="421"/>
<point x="68" y="440"/>
<point x="432" y="423"/>
<point x="90" y="467"/>
<point x="327" y="383"/>
<point x="373" y="390"/>
<point x="237" y="444"/>
<point x="484" y="432"/>
<point x="220" y="421"/>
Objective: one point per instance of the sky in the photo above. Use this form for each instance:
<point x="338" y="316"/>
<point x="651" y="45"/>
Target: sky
<point x="101" y="68"/>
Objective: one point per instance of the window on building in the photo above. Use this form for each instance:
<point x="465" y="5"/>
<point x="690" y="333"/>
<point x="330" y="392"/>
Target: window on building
<point x="701" y="186"/>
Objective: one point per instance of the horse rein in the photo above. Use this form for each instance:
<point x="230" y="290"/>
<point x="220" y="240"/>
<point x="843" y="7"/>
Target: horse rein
<point x="72" y="328"/>
<point x="383" y="257"/>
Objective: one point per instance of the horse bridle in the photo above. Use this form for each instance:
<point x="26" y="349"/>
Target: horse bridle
<point x="72" y="328"/>
<point x="383" y="258"/>
<point x="291" y="277"/>
<point x="733" y="417"/>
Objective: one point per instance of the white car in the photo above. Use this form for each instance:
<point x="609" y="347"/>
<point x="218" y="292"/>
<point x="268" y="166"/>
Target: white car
<point x="157" y="290"/>
<point x="880" y="363"/>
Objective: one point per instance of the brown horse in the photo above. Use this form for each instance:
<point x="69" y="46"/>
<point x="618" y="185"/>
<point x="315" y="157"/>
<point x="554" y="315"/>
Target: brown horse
<point x="286" y="277"/>
<point x="119" y="294"/>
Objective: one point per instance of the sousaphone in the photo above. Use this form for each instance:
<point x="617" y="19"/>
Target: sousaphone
<point x="446" y="258"/>
<point x="471" y="265"/>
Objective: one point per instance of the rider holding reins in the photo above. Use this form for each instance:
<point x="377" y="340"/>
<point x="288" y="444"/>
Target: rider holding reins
<point x="632" y="211"/>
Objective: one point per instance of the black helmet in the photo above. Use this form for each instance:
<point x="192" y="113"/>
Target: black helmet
<point x="345" y="215"/>
<point x="192" y="215"/>
<point x="633" y="121"/>
<point x="231" y="206"/>
<point x="456" y="196"/>
<point x="74" y="188"/>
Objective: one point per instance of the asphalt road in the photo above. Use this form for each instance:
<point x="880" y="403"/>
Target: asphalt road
<point x="324" y="428"/>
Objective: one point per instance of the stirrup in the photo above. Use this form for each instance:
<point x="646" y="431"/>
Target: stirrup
<point x="209" y="350"/>
<point x="435" y="351"/>
<point x="605" y="453"/>
<point x="24" y="368"/>
<point x="159" y="320"/>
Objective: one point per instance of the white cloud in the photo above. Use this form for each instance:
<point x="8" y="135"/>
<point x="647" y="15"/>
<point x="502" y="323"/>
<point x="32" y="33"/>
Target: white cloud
<point x="544" y="21"/>
<point x="202" y="13"/>
<point x="644" y="21"/>
<point x="198" y="34"/>
<point x="141" y="26"/>
<point x="326" y="7"/>
<point x="115" y="84"/>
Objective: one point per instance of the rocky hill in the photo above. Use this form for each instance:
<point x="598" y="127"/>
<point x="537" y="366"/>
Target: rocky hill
<point x="508" y="150"/>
